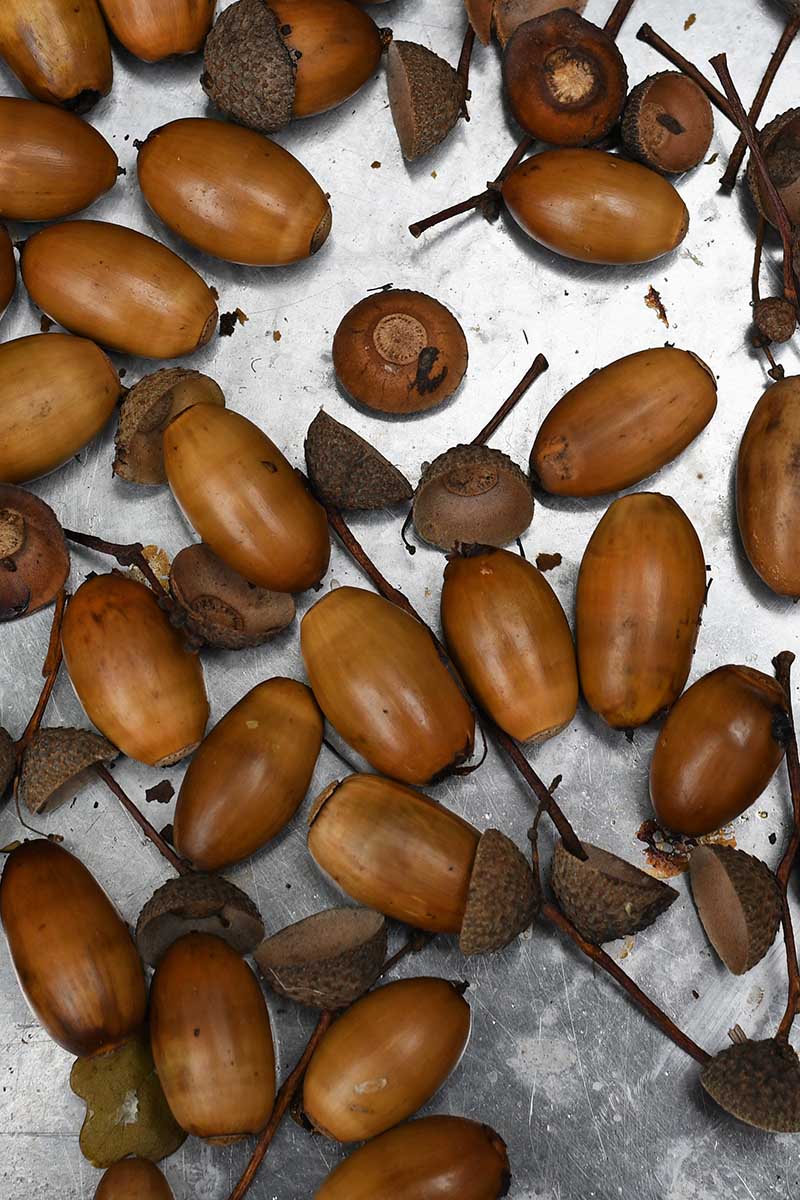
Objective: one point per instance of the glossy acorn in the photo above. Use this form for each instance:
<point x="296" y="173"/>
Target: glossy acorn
<point x="8" y="270"/>
<point x="58" y="49"/>
<point x="74" y="957"/>
<point x="157" y="29"/>
<point x="33" y="552"/>
<point x="133" y="1179"/>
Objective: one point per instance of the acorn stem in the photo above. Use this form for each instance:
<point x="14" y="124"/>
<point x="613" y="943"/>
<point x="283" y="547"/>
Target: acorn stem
<point x="537" y="368"/>
<point x="50" y="670"/>
<point x="783" y="673"/>
<point x="464" y="61"/>
<point x="127" y="555"/>
<point x="618" y="16"/>
<point x="567" y="834"/>
<point x="141" y="820"/>
<point x="757" y="253"/>
<point x="652" y="39"/>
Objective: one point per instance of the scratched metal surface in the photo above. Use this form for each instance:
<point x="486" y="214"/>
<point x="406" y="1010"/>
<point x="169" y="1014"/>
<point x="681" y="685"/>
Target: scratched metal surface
<point x="592" y="1101"/>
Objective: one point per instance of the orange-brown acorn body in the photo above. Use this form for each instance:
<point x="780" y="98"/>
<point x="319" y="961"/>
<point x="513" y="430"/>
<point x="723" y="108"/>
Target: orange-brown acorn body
<point x="133" y="1179"/>
<point x="8" y="270"/>
<point x="156" y="29"/>
<point x="58" y="49"/>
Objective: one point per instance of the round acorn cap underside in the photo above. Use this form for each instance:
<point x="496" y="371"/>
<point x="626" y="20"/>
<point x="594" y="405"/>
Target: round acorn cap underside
<point x="327" y="960"/>
<point x="347" y="471"/>
<point x="738" y="903"/>
<point x="248" y="71"/>
<point x="58" y="764"/>
<point x="145" y="413"/>
<point x="472" y="495"/>
<point x="604" y="896"/>
<point x="757" y="1082"/>
<point x="197" y="903"/>
<point x="425" y="97"/>
<point x="668" y="122"/>
<point x="503" y="898"/>
<point x="34" y="560"/>
<point x="780" y="145"/>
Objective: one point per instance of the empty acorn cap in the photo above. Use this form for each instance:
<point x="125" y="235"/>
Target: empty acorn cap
<point x="57" y="764"/>
<point x="503" y="897"/>
<point x="146" y="411"/>
<point x="426" y="96"/>
<point x="758" y="1083"/>
<point x="328" y="960"/>
<point x="196" y="903"/>
<point x="249" y="71"/>
<point x="34" y="561"/>
<point x="508" y="15"/>
<point x="668" y="122"/>
<point x="479" y="13"/>
<point x="8" y="760"/>
<point x="738" y="902"/>
<point x="604" y="896"/>
<point x="221" y="607"/>
<point x="780" y="145"/>
<point x="472" y="495"/>
<point x="347" y="471"/>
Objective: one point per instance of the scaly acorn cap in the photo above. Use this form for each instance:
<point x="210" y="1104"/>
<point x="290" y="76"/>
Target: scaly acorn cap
<point x="779" y="141"/>
<point x="503" y="897"/>
<point x="325" y="961"/>
<point x="347" y="471"/>
<point x="249" y="71"/>
<point x="8" y="760"/>
<point x="604" y="896"/>
<point x="758" y="1083"/>
<point x="472" y="495"/>
<point x="57" y="764"/>
<point x="197" y="903"/>
<point x="426" y="97"/>
<point x="775" y="317"/>
<point x="145" y="413"/>
<point x="738" y="901"/>
<point x="668" y="123"/>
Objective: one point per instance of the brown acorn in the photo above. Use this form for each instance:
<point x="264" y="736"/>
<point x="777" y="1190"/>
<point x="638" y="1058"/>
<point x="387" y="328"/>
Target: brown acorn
<point x="196" y="903"/>
<point x="57" y="764"/>
<point x="775" y="318"/>
<point x="780" y="145"/>
<point x="347" y="471"/>
<point x="604" y="896"/>
<point x="145" y="413"/>
<point x="8" y="270"/>
<point x="758" y="1083"/>
<point x="133" y="1179"/>
<point x="480" y="14"/>
<point x="8" y="760"/>
<point x="668" y="123"/>
<point x="739" y="904"/>
<point x="158" y="29"/>
<point x="426" y="97"/>
<point x="34" y="560"/>
<point x="503" y="897"/>
<point x="58" y="49"/>
<point x="508" y="15"/>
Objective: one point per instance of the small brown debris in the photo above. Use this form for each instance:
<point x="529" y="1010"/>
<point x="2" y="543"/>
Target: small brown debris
<point x="213" y="291"/>
<point x="227" y="324"/>
<point x="46" y="324"/>
<point x="241" y="317"/>
<point x="689" y="22"/>
<point x="546" y="562"/>
<point x="276" y="335"/>
<point x="713" y="158"/>
<point x="668" y="853"/>
<point x="375" y="165"/>
<point x="160" y="793"/>
<point x="653" y="300"/>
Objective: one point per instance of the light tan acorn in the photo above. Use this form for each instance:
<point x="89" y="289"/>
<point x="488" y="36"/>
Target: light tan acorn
<point x="158" y="29"/>
<point x="57" y="763"/>
<point x="197" y="903"/>
<point x="33" y="552"/>
<point x="58" y="49"/>
<point x="738" y="902"/>
<point x="758" y="1083"/>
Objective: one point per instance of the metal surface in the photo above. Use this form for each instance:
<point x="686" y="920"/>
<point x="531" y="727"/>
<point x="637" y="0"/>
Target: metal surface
<point x="592" y="1100"/>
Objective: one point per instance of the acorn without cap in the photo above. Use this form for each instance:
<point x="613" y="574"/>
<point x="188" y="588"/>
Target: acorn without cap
<point x="604" y="896"/>
<point x="668" y="122"/>
<point x="758" y="1083"/>
<point x="57" y="763"/>
<point x="34" y="560"/>
<point x="347" y="471"/>
<point x="197" y="903"/>
<point x="472" y="495"/>
<point x="738" y="901"/>
<point x="58" y="49"/>
<point x="426" y="97"/>
<point x="145" y="413"/>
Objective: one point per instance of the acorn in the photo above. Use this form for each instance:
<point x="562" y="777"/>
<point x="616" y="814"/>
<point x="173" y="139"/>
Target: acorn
<point x="479" y="13"/>
<point x="34" y="560"/>
<point x="564" y="78"/>
<point x="327" y="960"/>
<point x="435" y="1156"/>
<point x="52" y="163"/>
<point x="604" y="896"/>
<point x="379" y="679"/>
<point x="718" y="749"/>
<point x="668" y="123"/>
<point x="508" y="15"/>
<point x="347" y="471"/>
<point x="595" y="207"/>
<point x="739" y="904"/>
<point x="75" y="961"/>
<point x="58" y="49"/>
<point x="8" y="760"/>
<point x="399" y="352"/>
<point x="472" y="495"/>
<point x="639" y="600"/>
<point x="779" y="141"/>
<point x="510" y="640"/>
<point x="145" y="413"/>
<point x="249" y="776"/>
<point x="131" y="672"/>
<point x="233" y="193"/>
<point x="195" y="903"/>
<point x="267" y="63"/>
<point x="775" y="319"/>
<point x="245" y="500"/>
<point x="426" y="97"/>
<point x="758" y="1083"/>
<point x="158" y="29"/>
<point x="57" y="764"/>
<point x="385" y="1057"/>
<point x="8" y="270"/>
<point x="120" y="288"/>
<point x="56" y="394"/>
<point x="623" y="423"/>
<point x="133" y="1179"/>
<point x="211" y="1040"/>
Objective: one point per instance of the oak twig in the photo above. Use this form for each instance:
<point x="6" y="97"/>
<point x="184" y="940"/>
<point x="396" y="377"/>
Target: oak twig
<point x="537" y="368"/>
<point x="462" y="71"/>
<point x="783" y="672"/>
<point x="141" y="820"/>
<point x="618" y="16"/>
<point x="50" y="669"/>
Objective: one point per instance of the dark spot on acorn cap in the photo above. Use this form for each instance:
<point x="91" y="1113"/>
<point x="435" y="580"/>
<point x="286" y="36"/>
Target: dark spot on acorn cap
<point x="249" y="72"/>
<point x="197" y="903"/>
<point x="347" y="471"/>
<point x="426" y="97"/>
<point x="8" y="760"/>
<point x="668" y="122"/>
<point x="758" y="1083"/>
<point x="780" y="145"/>
<point x="220" y="607"/>
<point x="503" y="897"/>
<point x="147" y="410"/>
<point x="34" y="560"/>
<point x="738" y="902"/>
<point x="775" y="318"/>
<point x="57" y="765"/>
<point x="472" y="494"/>
<point x="604" y="896"/>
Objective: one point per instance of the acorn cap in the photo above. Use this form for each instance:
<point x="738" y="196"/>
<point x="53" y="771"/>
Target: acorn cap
<point x="196" y="903"/>
<point x="248" y="70"/>
<point x="738" y="902"/>
<point x="426" y="97"/>
<point x="58" y="764"/>
<point x="780" y="145"/>
<point x="775" y="318"/>
<point x="479" y="13"/>
<point x="510" y="14"/>
<point x="347" y="471"/>
<point x="668" y="122"/>
<point x="604" y="896"/>
<point x="34" y="560"/>
<point x="472" y="495"/>
<point x="8" y="760"/>
<point x="145" y="413"/>
<point x="221" y="607"/>
<point x="758" y="1083"/>
<point x="328" y="960"/>
<point x="503" y="897"/>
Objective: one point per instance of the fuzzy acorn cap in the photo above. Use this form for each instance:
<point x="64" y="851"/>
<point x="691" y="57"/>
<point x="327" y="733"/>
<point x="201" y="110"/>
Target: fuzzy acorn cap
<point x="510" y="14"/>
<point x="426" y="97"/>
<point x="8" y="760"/>
<point x="604" y="896"/>
<point x="738" y="902"/>
<point x="775" y="318"/>
<point x="758" y="1083"/>
<point x="145" y="413"/>
<point x="34" y="560"/>
<point x="479" y="13"/>
<point x="328" y="960"/>
<point x="668" y="122"/>
<point x="58" y="764"/>
<point x="248" y="70"/>
<point x="472" y="495"/>
<point x="197" y="903"/>
<point x="780" y="145"/>
<point x="347" y="471"/>
<point x="503" y="897"/>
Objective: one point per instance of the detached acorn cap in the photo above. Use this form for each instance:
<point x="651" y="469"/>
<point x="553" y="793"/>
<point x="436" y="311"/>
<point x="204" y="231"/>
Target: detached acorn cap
<point x="668" y="122"/>
<point x="34" y="560"/>
<point x="426" y="97"/>
<point x="196" y="903"/>
<point x="604" y="896"/>
<point x="145" y="413"/>
<point x="503" y="897"/>
<point x="347" y="471"/>
<point x="780" y="145"/>
<point x="510" y="14"/>
<point x="775" y="318"/>
<point x="249" y="72"/>
<point x="758" y="1083"/>
<point x="738" y="902"/>
<point x="328" y="960"/>
<point x="57" y="765"/>
<point x="472" y="495"/>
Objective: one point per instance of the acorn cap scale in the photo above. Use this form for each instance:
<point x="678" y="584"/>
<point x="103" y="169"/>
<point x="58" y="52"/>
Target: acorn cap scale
<point x="57" y="764"/>
<point x="34" y="560"/>
<point x="472" y="495"/>
<point x="604" y="896"/>
<point x="196" y="903"/>
<point x="503" y="897"/>
<point x="757" y="1082"/>
<point x="248" y="71"/>
<point x="668" y="122"/>
<point x="738" y="902"/>
<point x="145" y="413"/>
<point x="426" y="97"/>
<point x="347" y="471"/>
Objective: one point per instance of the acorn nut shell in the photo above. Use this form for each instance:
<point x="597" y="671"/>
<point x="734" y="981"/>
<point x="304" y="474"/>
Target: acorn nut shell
<point x="347" y="472"/>
<point x="738" y="902"/>
<point x="472" y="495"/>
<point x="133" y="1179"/>
<point x="758" y="1083"/>
<point x="58" y="50"/>
<point x="157" y="29"/>
<point x="57" y="764"/>
<point x="34" y="560"/>
<point x="197" y="903"/>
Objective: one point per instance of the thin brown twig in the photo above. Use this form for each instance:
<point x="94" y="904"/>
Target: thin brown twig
<point x="757" y="253"/>
<point x="618" y="16"/>
<point x="126" y="554"/>
<point x="462" y="70"/>
<point x="537" y="368"/>
<point x="542" y="793"/>
<point x="649" y="36"/>
<point x="50" y="669"/>
<point x="783" y="672"/>
<point x="141" y="820"/>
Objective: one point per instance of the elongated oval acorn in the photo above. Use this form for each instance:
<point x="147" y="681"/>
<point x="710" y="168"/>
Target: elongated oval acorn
<point x="245" y="500"/>
<point x="508" y="15"/>
<point x="738" y="901"/>
<point x="57" y="764"/>
<point x="56" y="393"/>
<point x="426" y="97"/>
<point x="157" y="29"/>
<point x="758" y="1083"/>
<point x="145" y="413"/>
<point x="136" y="681"/>
<point x="58" y="49"/>
<point x="233" y="193"/>
<point x="595" y="207"/>
<point x="640" y="595"/>
<point x="211" y="1040"/>
<point x="718" y="749"/>
<point x="512" y="645"/>
<point x="445" y="1157"/>
<point x="197" y="903"/>
<point x="133" y="1179"/>
<point x="347" y="471"/>
<point x="668" y="123"/>
<point x="385" y="1057"/>
<point x="378" y="678"/>
<point x="472" y="495"/>
<point x="120" y="288"/>
<point x="623" y="423"/>
<point x="74" y="958"/>
<point x="33" y="553"/>
<point x="780" y="145"/>
<point x="8" y="270"/>
<point x="604" y="896"/>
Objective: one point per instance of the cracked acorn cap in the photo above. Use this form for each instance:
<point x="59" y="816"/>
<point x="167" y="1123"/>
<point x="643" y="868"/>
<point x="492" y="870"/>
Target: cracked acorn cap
<point x="472" y="495"/>
<point x="58" y="764"/>
<point x="503" y="897"/>
<point x="347" y="471"/>
<point x="780" y="146"/>
<point x="197" y="903"/>
<point x="668" y="122"/>
<point x="604" y="896"/>
<point x="426" y="97"/>
<point x="8" y="760"/>
<point x="758" y="1083"/>
<point x="34" y="560"/>
<point x="145" y="413"/>
<point x="738" y="902"/>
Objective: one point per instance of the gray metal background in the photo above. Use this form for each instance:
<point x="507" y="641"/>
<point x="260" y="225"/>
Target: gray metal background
<point x="592" y="1101"/>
